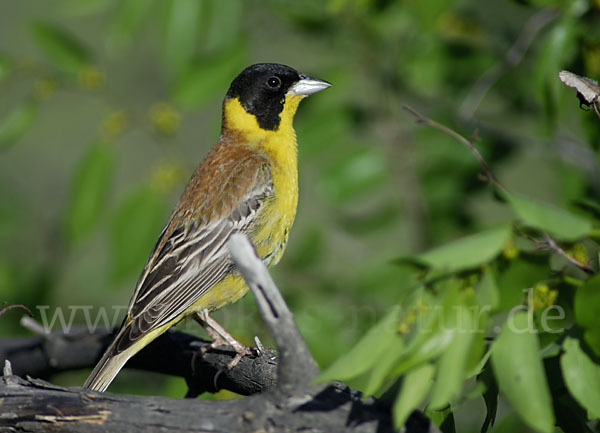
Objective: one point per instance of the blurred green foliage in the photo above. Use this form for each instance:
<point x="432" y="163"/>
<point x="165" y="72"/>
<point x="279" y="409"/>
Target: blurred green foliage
<point x="408" y="275"/>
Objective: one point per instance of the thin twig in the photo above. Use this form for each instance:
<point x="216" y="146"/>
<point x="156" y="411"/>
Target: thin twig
<point x="296" y="363"/>
<point x="7" y="370"/>
<point x="512" y="58"/>
<point x="597" y="108"/>
<point x="489" y="175"/>
<point x="6" y="308"/>
<point x="549" y="242"/>
<point x="553" y="246"/>
<point x="35" y="327"/>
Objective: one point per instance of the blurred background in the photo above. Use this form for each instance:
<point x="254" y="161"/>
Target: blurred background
<point x="106" y="107"/>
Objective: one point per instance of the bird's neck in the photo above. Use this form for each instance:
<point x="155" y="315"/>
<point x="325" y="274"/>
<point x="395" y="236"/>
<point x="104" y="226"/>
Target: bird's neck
<point x="280" y="143"/>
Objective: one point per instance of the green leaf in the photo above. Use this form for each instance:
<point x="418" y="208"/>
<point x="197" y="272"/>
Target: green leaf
<point x="208" y="79"/>
<point x="478" y="353"/>
<point x="582" y="376"/>
<point x="560" y="223"/>
<point x="181" y="21"/>
<point x="514" y="280"/>
<point x="556" y="48"/>
<point x="385" y="364"/>
<point x="368" y="351"/>
<point x="520" y="373"/>
<point x="468" y="252"/>
<point x="444" y="419"/>
<point x="434" y="330"/>
<point x="487" y="291"/>
<point x="587" y="305"/>
<point x="490" y="397"/>
<point x="90" y="187"/>
<point x="16" y="123"/>
<point x="415" y="386"/>
<point x="452" y="365"/>
<point x="61" y="48"/>
<point x="135" y="228"/>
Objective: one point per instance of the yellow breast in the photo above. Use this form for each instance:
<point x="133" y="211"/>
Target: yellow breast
<point x="272" y="227"/>
<point x="277" y="217"/>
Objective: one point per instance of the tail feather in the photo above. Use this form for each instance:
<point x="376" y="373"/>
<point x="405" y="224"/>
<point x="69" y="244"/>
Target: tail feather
<point x="109" y="365"/>
<point x="113" y="360"/>
<point x="106" y="370"/>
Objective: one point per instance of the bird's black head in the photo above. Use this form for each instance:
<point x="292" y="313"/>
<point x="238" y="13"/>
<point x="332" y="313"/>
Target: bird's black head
<point x="261" y="90"/>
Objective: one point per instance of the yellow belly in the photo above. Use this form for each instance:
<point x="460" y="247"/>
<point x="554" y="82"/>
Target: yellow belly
<point x="228" y="290"/>
<point x="269" y="237"/>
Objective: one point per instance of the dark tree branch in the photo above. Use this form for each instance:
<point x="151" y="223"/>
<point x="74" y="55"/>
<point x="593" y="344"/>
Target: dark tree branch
<point x="174" y="353"/>
<point x="292" y="405"/>
<point x="36" y="406"/>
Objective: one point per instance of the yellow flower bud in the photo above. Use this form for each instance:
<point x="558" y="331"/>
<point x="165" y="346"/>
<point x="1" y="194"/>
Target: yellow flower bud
<point x="167" y="175"/>
<point x="114" y="124"/>
<point x="44" y="88"/>
<point x="165" y="118"/>
<point x="510" y="251"/>
<point x="91" y="77"/>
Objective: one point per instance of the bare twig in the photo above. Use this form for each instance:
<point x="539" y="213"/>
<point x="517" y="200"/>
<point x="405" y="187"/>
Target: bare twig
<point x="6" y="308"/>
<point x="489" y="175"/>
<point x="549" y="242"/>
<point x="7" y="370"/>
<point x="553" y="246"/>
<point x="512" y="58"/>
<point x="296" y="363"/>
<point x="34" y="326"/>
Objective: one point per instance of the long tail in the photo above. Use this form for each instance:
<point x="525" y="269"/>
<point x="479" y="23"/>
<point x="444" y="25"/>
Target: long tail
<point x="110" y="364"/>
<point x="113" y="360"/>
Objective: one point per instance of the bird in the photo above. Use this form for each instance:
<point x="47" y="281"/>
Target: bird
<point x="247" y="183"/>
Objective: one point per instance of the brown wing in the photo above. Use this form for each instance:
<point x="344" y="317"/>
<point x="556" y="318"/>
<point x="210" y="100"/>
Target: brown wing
<point x="224" y="196"/>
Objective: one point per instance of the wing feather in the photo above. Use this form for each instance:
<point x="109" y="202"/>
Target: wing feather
<point x="191" y="256"/>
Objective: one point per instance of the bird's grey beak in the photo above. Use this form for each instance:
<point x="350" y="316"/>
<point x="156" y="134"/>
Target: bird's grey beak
<point x="308" y="85"/>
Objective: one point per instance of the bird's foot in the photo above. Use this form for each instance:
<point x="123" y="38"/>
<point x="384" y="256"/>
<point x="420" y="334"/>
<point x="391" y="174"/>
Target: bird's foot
<point x="221" y="337"/>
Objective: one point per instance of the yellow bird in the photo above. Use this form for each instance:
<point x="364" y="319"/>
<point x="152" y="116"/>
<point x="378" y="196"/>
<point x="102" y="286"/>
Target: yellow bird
<point x="247" y="183"/>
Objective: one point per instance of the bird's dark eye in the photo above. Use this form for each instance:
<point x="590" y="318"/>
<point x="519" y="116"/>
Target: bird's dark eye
<point x="274" y="82"/>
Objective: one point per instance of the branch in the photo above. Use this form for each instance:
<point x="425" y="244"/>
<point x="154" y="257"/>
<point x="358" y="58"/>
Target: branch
<point x="552" y="245"/>
<point x="549" y="242"/>
<point x="296" y="365"/>
<point x="36" y="406"/>
<point x="293" y="405"/>
<point x="6" y="308"/>
<point x="174" y="353"/>
<point x="468" y="144"/>
<point x="512" y="58"/>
